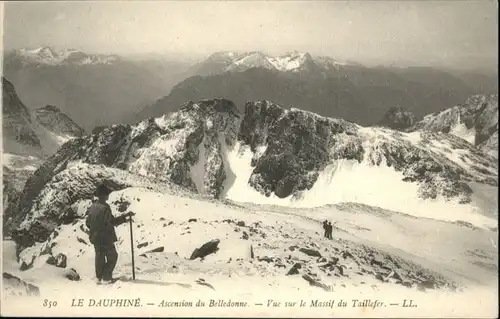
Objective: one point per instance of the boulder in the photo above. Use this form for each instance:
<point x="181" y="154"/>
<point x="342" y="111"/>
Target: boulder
<point x="72" y="275"/>
<point x="310" y="252"/>
<point x="144" y="244"/>
<point x="156" y="250"/>
<point x="206" y="249"/>
<point x="294" y="270"/>
<point x="315" y="283"/>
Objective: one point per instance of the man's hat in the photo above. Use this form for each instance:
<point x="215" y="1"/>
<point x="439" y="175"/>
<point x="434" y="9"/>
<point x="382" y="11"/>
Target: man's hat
<point x="102" y="190"/>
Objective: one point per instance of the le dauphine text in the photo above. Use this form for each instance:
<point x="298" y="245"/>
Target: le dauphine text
<point x="217" y="303"/>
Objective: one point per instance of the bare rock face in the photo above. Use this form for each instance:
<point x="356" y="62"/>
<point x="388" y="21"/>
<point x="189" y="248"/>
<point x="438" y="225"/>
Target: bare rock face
<point x="297" y="146"/>
<point x="17" y="123"/>
<point x="52" y="118"/>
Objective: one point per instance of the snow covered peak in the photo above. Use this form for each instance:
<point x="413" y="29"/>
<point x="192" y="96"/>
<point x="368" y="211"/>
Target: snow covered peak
<point x="294" y="61"/>
<point x="48" y="56"/>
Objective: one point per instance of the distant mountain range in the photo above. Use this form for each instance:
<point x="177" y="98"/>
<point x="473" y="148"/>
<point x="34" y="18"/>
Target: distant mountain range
<point x="98" y="90"/>
<point x="93" y="89"/>
<point x="323" y="85"/>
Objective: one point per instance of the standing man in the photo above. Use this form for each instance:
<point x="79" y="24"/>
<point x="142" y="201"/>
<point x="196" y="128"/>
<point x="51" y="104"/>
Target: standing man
<point x="329" y="230"/>
<point x="325" y="227"/>
<point x="101" y="224"/>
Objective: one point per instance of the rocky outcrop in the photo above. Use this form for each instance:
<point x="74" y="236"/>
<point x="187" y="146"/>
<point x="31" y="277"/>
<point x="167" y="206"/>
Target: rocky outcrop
<point x="297" y="146"/>
<point x="38" y="133"/>
<point x="17" y="123"/>
<point x="398" y="118"/>
<point x="475" y="121"/>
<point x="52" y="118"/>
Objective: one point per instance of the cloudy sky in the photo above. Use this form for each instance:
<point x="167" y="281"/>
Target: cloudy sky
<point x="450" y="33"/>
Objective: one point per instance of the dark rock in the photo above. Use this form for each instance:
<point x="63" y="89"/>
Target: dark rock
<point x="315" y="283"/>
<point x="310" y="252"/>
<point x="25" y="266"/>
<point x="294" y="270"/>
<point x="346" y="254"/>
<point x="245" y="236"/>
<point x="46" y="251"/>
<point x="251" y="252"/>
<point x="61" y="260"/>
<point x="266" y="259"/>
<point x="156" y="250"/>
<point x="206" y="249"/>
<point x="72" y="275"/>
<point x="395" y="275"/>
<point x="192" y="220"/>
<point x="376" y="262"/>
<point x="241" y="223"/>
<point x="340" y="270"/>
<point x="380" y="277"/>
<point x="51" y="260"/>
<point x="81" y="240"/>
<point x="144" y="244"/>
<point x="170" y="223"/>
<point x="202" y="282"/>
<point x="162" y="218"/>
<point x="292" y="248"/>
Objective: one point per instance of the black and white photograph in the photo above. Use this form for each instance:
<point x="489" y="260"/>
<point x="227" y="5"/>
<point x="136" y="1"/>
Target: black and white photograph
<point x="316" y="159"/>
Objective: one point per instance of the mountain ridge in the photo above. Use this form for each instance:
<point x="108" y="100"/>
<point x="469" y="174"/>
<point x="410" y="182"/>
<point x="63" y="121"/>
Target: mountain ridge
<point x="270" y="154"/>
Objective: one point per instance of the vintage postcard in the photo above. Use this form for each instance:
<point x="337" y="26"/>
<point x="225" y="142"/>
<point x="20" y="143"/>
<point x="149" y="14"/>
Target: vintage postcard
<point x="250" y="158"/>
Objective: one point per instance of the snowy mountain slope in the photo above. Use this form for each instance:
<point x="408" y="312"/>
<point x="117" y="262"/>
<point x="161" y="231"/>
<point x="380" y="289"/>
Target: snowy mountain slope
<point x="270" y="155"/>
<point x="374" y="251"/>
<point x="295" y="61"/>
<point x="476" y="121"/>
<point x="49" y="56"/>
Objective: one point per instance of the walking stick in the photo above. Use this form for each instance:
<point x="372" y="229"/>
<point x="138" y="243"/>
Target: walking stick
<point x="132" y="247"/>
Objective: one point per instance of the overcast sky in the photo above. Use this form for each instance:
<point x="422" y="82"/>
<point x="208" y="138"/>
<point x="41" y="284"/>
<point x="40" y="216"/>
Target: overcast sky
<point x="451" y="33"/>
